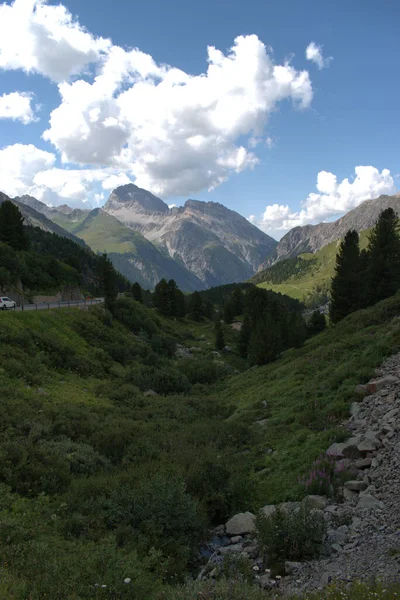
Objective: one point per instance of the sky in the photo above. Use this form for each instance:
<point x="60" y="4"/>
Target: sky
<point x="287" y="112"/>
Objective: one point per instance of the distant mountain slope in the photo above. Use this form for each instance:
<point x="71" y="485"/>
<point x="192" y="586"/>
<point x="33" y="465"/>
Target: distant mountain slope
<point x="311" y="238"/>
<point x="134" y="256"/>
<point x="213" y="242"/>
<point x="39" y="219"/>
<point x="304" y="275"/>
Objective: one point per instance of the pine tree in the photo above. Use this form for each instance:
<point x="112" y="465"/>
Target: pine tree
<point x="383" y="258"/>
<point x="346" y="283"/>
<point x="12" y="230"/>
<point x="244" y="336"/>
<point x="195" y="306"/>
<point x="219" y="335"/>
<point x="173" y="298"/>
<point x="316" y="323"/>
<point x="180" y="304"/>
<point x="108" y="281"/>
<point x="228" y="312"/>
<point x="161" y="298"/>
<point x="137" y="292"/>
<point x="237" y="302"/>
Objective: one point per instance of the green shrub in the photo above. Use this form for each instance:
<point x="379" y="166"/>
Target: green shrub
<point x="202" y="371"/>
<point x="290" y="534"/>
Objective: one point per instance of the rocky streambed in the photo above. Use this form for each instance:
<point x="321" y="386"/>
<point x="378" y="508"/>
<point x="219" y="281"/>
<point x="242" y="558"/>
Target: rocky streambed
<point x="362" y="524"/>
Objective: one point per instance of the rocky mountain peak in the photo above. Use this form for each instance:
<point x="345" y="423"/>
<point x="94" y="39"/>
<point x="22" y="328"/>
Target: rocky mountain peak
<point x="130" y="195"/>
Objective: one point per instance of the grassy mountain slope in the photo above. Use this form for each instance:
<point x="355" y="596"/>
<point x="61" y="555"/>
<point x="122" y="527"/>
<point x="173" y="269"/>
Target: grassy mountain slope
<point x="99" y="481"/>
<point x="297" y="277"/>
<point x="134" y="256"/>
<point x="306" y="394"/>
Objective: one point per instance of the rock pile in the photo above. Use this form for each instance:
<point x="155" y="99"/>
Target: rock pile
<point x="362" y="538"/>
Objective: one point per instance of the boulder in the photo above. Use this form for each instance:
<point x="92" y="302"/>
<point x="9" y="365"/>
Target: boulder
<point x="291" y="567"/>
<point x="268" y="510"/>
<point x="349" y="494"/>
<point x="240" y="524"/>
<point x="361" y="390"/>
<point x="378" y="384"/>
<point x="363" y="463"/>
<point x="367" y="501"/>
<point x="369" y="443"/>
<point x="318" y="502"/>
<point x="347" y="449"/>
<point x="356" y="486"/>
<point x="149" y="393"/>
<point x="231" y="548"/>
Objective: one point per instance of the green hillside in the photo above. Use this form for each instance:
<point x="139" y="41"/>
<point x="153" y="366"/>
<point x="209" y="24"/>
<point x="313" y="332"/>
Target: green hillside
<point x="131" y="253"/>
<point x="298" y="277"/>
<point x="103" y="480"/>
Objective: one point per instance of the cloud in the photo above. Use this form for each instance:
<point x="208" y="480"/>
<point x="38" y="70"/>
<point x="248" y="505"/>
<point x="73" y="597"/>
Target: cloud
<point x="25" y="169"/>
<point x="17" y="106"/>
<point x="40" y="38"/>
<point x="19" y="164"/>
<point x="314" y="53"/>
<point x="332" y="200"/>
<point x="176" y="133"/>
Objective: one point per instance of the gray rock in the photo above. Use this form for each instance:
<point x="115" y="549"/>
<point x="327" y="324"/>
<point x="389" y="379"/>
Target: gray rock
<point x="231" y="548"/>
<point x="236" y="539"/>
<point x="318" y="502"/>
<point x="240" y="524"/>
<point x="356" y="486"/>
<point x="215" y="353"/>
<point x="349" y="495"/>
<point x="378" y="384"/>
<point x="367" y="501"/>
<point x="149" y="393"/>
<point x="268" y="510"/>
<point x="291" y="567"/>
<point x="363" y="463"/>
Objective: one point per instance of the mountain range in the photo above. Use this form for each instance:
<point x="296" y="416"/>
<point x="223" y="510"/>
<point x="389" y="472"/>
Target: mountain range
<point x="311" y="238"/>
<point x="199" y="245"/>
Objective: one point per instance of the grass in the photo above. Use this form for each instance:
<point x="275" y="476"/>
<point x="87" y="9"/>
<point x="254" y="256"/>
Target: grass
<point x="306" y="394"/>
<point x="322" y="271"/>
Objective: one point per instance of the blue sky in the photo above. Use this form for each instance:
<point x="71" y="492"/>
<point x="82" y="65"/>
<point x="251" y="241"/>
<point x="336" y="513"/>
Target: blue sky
<point x="304" y="143"/>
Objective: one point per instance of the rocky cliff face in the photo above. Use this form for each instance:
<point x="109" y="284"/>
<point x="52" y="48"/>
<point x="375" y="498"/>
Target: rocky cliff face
<point x="216" y="244"/>
<point x="311" y="238"/>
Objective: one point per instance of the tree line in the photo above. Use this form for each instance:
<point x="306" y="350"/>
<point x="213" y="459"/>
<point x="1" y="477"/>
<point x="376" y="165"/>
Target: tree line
<point x="365" y="277"/>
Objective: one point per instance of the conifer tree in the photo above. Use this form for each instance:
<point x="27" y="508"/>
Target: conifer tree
<point x="173" y="298"/>
<point x="383" y="258"/>
<point x="108" y="281"/>
<point x="244" y="336"/>
<point x="12" y="226"/>
<point x="346" y="283"/>
<point x="219" y="335"/>
<point x="228" y="312"/>
<point x="316" y="323"/>
<point x="137" y="292"/>
<point x="195" y="306"/>
<point x="237" y="302"/>
<point x="180" y="304"/>
<point x="161" y="298"/>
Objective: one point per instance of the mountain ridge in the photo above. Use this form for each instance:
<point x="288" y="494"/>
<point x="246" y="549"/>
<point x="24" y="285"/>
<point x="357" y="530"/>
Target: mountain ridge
<point x="310" y="238"/>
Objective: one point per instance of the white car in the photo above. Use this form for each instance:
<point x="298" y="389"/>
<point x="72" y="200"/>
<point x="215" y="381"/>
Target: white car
<point x="6" y="303"/>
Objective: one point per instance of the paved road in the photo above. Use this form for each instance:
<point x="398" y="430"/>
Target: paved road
<point x="53" y="305"/>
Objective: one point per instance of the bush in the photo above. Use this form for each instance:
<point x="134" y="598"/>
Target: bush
<point x="202" y="371"/>
<point x="290" y="534"/>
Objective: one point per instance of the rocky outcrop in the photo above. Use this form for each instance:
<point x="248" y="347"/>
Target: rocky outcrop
<point x="362" y="523"/>
<point x="214" y="243"/>
<point x="368" y="544"/>
<point x="311" y="238"/>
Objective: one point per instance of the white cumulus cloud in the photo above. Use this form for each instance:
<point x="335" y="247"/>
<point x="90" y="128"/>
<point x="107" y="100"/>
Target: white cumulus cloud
<point x="314" y="53"/>
<point x="17" y="106"/>
<point x="333" y="199"/>
<point x="40" y="38"/>
<point x="25" y="169"/>
<point x="18" y="166"/>
<point x="176" y="133"/>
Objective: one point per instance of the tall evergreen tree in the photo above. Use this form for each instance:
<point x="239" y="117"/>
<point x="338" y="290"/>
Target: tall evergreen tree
<point x="161" y="298"/>
<point x="383" y="258"/>
<point x="173" y="298"/>
<point x="12" y="230"/>
<point x="180" y="304"/>
<point x="137" y="292"/>
<point x="219" y="335"/>
<point x="108" y="281"/>
<point x="346" y="283"/>
<point x="316" y="323"/>
<point x="228" y="312"/>
<point x="195" y="307"/>
<point x="237" y="302"/>
<point x="244" y="336"/>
